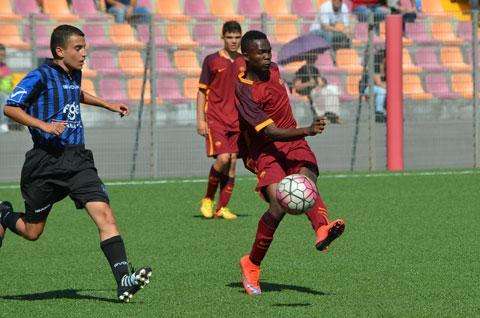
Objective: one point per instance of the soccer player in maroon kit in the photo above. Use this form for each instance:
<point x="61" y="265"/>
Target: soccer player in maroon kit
<point x="274" y="149"/>
<point x="217" y="119"/>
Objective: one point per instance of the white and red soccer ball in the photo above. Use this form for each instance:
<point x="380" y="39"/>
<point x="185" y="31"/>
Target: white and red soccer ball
<point x="297" y="193"/>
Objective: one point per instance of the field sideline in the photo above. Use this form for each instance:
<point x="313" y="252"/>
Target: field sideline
<point x="410" y="249"/>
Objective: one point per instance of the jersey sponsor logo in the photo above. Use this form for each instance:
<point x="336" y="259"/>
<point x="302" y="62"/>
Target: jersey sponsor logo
<point x="17" y="94"/>
<point x="221" y="69"/>
<point x="66" y="86"/>
<point x="43" y="209"/>
<point x="72" y="110"/>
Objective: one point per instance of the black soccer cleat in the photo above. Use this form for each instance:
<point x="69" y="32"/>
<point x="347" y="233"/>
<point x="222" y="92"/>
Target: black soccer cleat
<point x="131" y="284"/>
<point x="5" y="208"/>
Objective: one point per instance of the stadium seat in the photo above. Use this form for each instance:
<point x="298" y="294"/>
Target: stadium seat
<point x="426" y="57"/>
<point x="87" y="72"/>
<point x="164" y="66"/>
<point x="17" y="77"/>
<point x="204" y="33"/>
<point x="26" y="8"/>
<point x="104" y="62"/>
<point x="361" y="35"/>
<point x="10" y="37"/>
<point x="96" y="36"/>
<point x="464" y="30"/>
<point x="443" y="32"/>
<point x="123" y="36"/>
<point x="197" y="9"/>
<point x="178" y="34"/>
<point x="437" y="85"/>
<point x="169" y="90"/>
<point x="147" y="4"/>
<point x="131" y="63"/>
<point x="87" y="10"/>
<point x="7" y="13"/>
<point x="42" y="35"/>
<point x="418" y="32"/>
<point x="432" y="7"/>
<point x="452" y="58"/>
<point x="325" y="63"/>
<point x="59" y="10"/>
<point x="291" y="68"/>
<point x="349" y="61"/>
<point x="171" y="10"/>
<point x="462" y="84"/>
<point x="134" y="90"/>
<point x="408" y="66"/>
<point x="278" y="9"/>
<point x="284" y="31"/>
<point x="304" y="9"/>
<point x="225" y="10"/>
<point x="249" y="8"/>
<point x="352" y="85"/>
<point x="186" y="62"/>
<point x="112" y="89"/>
<point x="143" y="34"/>
<point x="413" y="89"/>
<point x="88" y="86"/>
<point x="190" y="87"/>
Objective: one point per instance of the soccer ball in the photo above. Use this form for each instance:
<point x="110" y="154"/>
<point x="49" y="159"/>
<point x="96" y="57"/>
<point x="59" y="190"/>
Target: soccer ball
<point x="296" y="193"/>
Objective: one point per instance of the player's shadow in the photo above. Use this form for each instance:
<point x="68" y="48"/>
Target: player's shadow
<point x="273" y="287"/>
<point x="292" y="305"/>
<point x="59" y="294"/>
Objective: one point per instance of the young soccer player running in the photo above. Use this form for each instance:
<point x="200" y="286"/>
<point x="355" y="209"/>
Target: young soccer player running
<point x="48" y="101"/>
<point x="275" y="148"/>
<point x="217" y="119"/>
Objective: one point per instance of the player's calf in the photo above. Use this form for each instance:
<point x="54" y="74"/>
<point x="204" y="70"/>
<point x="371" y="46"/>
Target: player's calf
<point x="8" y="219"/>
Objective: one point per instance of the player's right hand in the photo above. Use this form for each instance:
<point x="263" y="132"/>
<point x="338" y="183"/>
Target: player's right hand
<point x="55" y="128"/>
<point x="318" y="125"/>
<point x="202" y="128"/>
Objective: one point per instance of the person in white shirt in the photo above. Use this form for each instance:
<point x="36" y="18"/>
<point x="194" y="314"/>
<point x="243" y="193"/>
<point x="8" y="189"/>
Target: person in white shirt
<point x="332" y="23"/>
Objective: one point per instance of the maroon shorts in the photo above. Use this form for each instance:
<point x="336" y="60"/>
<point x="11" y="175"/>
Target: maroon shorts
<point x="282" y="160"/>
<point x="218" y="142"/>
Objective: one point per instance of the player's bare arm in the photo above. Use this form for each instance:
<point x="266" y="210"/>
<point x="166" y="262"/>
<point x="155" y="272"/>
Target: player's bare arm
<point x="20" y="116"/>
<point x="288" y="134"/>
<point x="201" y="122"/>
<point x="89" y="99"/>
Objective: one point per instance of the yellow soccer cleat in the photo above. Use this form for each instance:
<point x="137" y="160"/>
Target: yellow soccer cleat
<point x="225" y="213"/>
<point x="206" y="208"/>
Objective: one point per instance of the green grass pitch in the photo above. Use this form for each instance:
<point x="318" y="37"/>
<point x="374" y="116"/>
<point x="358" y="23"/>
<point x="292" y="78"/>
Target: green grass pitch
<point x="410" y="249"/>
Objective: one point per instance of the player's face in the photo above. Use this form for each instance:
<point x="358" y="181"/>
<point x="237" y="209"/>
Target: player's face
<point x="259" y="55"/>
<point x="232" y="41"/>
<point x="74" y="53"/>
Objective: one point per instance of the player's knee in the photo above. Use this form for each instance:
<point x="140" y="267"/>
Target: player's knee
<point x="223" y="159"/>
<point x="33" y="235"/>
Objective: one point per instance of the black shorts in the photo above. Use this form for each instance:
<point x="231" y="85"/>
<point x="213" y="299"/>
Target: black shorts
<point x="49" y="175"/>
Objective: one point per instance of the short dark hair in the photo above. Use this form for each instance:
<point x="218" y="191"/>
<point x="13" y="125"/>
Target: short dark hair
<point x="249" y="37"/>
<point x="60" y="36"/>
<point x="231" y="27"/>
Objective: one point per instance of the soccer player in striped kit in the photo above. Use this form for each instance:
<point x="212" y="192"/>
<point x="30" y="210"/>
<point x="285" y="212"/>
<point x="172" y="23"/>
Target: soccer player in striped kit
<point x="47" y="101"/>
<point x="217" y="119"/>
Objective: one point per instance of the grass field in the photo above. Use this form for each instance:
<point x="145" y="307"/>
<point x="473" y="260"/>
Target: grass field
<point x="410" y="249"/>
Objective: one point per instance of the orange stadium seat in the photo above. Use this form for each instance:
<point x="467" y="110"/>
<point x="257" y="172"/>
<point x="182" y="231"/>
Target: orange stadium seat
<point x="462" y="83"/>
<point x="408" y="66"/>
<point x="171" y="10"/>
<point x="292" y="67"/>
<point x="88" y="86"/>
<point x="284" y="31"/>
<point x="352" y="85"/>
<point x="131" y="63"/>
<point x="225" y="10"/>
<point x="59" y="10"/>
<point x="443" y="32"/>
<point x="7" y="13"/>
<point x="88" y="72"/>
<point x="10" y="37"/>
<point x="134" y="90"/>
<point x="349" y="61"/>
<point x="432" y="7"/>
<point x="190" y="87"/>
<point x="413" y="89"/>
<point x="124" y="36"/>
<point x="186" y="62"/>
<point x="452" y="58"/>
<point x="278" y="9"/>
<point x="178" y="34"/>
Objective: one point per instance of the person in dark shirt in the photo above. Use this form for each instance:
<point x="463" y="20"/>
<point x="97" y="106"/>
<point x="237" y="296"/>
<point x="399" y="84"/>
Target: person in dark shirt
<point x="273" y="147"/>
<point x="47" y="101"/>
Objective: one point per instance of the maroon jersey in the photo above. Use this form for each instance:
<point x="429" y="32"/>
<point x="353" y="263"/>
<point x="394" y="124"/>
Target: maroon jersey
<point x="260" y="104"/>
<point x="218" y="77"/>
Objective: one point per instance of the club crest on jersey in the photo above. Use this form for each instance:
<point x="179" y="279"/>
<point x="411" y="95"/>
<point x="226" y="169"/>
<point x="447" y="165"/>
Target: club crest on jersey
<point x="17" y="94"/>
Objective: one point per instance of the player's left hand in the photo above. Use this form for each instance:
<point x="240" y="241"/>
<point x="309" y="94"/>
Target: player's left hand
<point x="119" y="108"/>
<point x="318" y="125"/>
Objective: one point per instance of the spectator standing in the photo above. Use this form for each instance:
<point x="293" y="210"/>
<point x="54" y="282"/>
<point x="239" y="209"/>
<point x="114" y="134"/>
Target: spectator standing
<point x="6" y="86"/>
<point x="127" y="10"/>
<point x="332" y="24"/>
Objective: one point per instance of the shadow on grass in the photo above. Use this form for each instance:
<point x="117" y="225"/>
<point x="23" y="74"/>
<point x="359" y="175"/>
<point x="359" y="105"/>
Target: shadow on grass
<point x="292" y="305"/>
<point x="59" y="294"/>
<point x="273" y="287"/>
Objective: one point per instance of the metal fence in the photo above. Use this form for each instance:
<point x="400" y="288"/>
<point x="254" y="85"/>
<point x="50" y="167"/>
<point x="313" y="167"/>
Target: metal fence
<point x="162" y="59"/>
